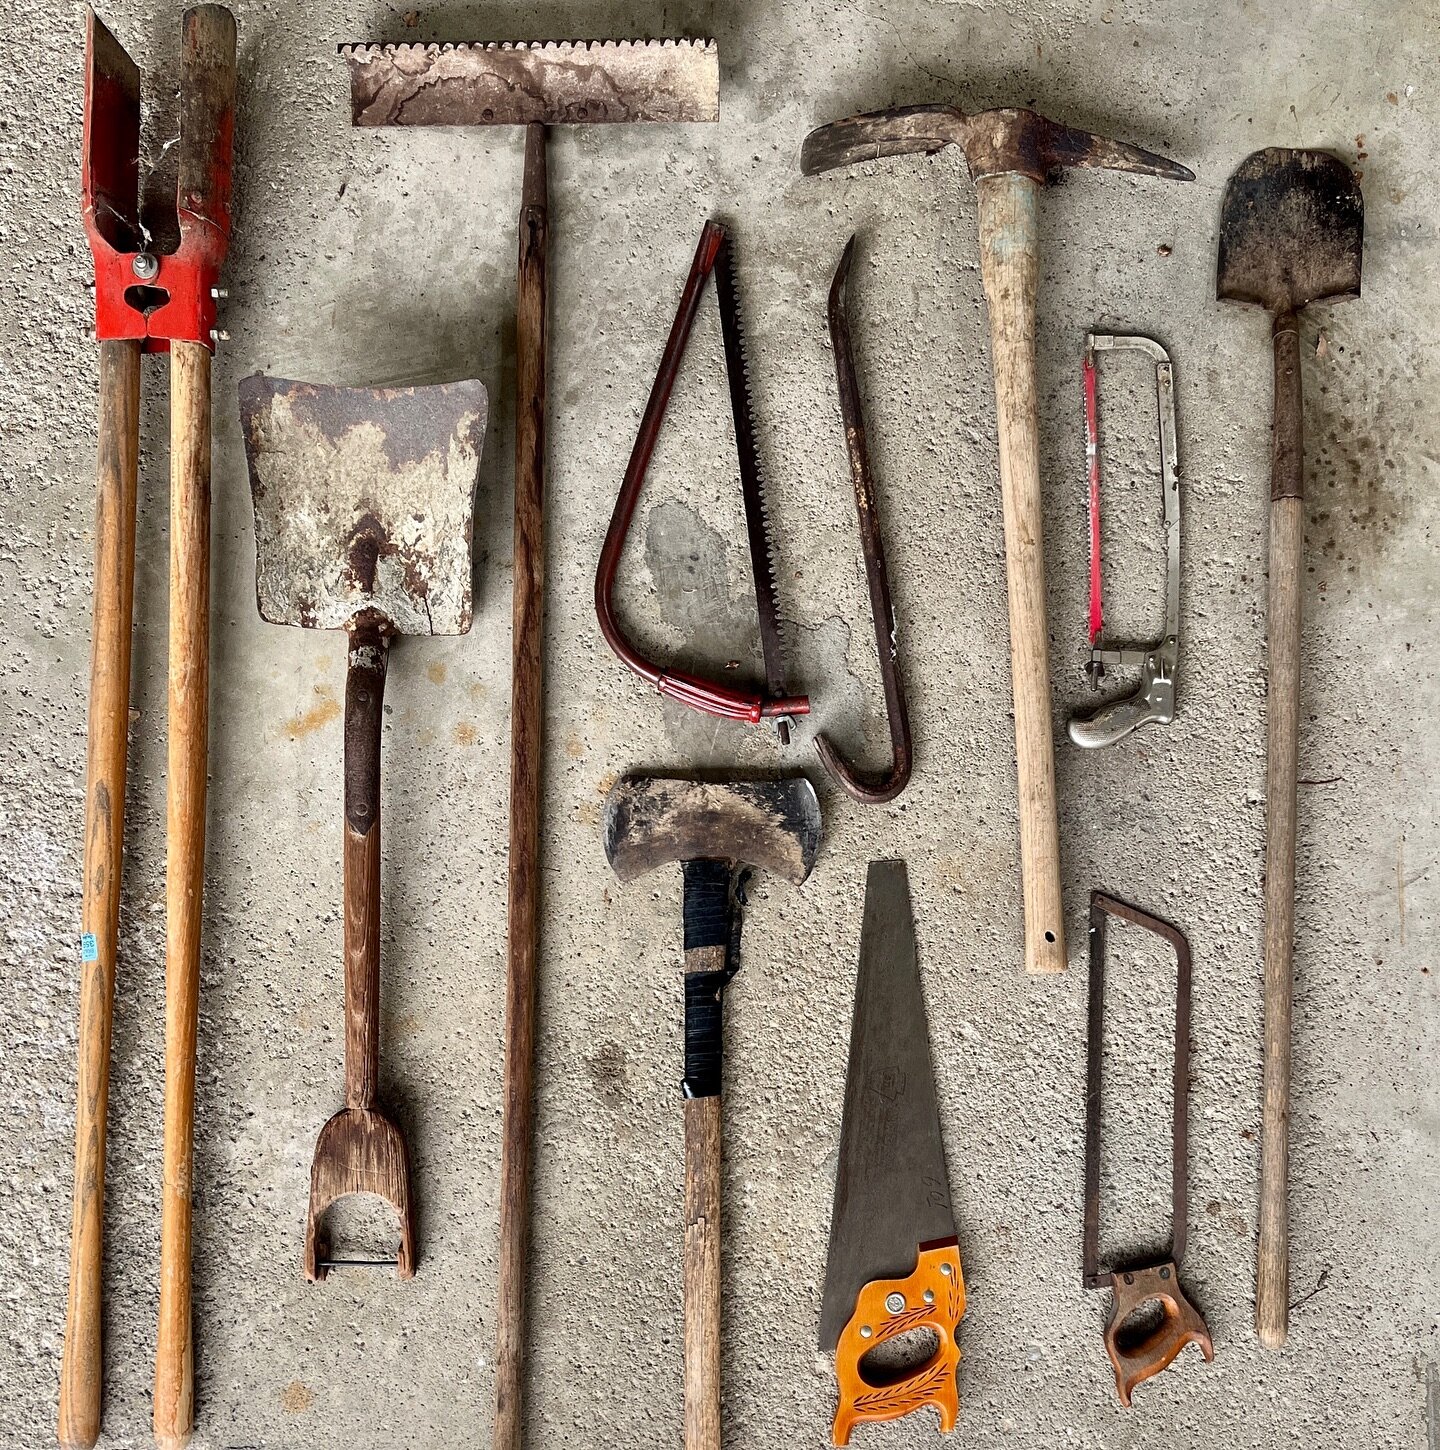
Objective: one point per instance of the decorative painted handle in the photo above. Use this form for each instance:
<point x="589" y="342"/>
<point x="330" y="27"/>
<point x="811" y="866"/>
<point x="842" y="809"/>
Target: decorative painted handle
<point x="933" y="1298"/>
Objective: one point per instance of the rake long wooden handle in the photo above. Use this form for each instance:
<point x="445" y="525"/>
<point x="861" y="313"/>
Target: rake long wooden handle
<point x="184" y="868"/>
<point x="1008" y="267"/>
<point x="703" y="1158"/>
<point x="1287" y="528"/>
<point x="527" y="718"/>
<point x="118" y="464"/>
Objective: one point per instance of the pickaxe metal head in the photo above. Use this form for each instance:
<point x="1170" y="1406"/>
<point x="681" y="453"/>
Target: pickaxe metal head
<point x="994" y="142"/>
<point x="654" y="821"/>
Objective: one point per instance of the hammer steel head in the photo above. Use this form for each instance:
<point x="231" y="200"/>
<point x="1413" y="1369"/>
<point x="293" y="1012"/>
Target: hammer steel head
<point x="653" y="821"/>
<point x="364" y="500"/>
<point x="994" y="142"/>
<point x="1292" y="231"/>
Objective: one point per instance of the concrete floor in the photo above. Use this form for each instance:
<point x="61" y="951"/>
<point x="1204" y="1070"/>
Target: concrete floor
<point x="378" y="257"/>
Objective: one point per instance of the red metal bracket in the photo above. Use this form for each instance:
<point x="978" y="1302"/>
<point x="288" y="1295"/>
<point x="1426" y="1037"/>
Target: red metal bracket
<point x="158" y="297"/>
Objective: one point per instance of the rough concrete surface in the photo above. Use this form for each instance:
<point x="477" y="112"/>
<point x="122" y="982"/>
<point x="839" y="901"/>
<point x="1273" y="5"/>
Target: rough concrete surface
<point x="385" y="258"/>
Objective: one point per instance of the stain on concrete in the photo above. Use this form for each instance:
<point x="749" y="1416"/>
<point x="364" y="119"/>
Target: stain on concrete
<point x="296" y="1398"/>
<point x="466" y="733"/>
<point x="609" y="1070"/>
<point x="325" y="710"/>
<point x="435" y="672"/>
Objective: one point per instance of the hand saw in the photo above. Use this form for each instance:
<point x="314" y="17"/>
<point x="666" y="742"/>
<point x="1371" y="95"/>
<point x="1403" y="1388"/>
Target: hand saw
<point x="894" y="1262"/>
<point x="710" y="696"/>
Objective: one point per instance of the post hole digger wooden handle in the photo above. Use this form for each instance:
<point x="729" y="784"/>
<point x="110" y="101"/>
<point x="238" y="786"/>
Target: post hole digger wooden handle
<point x="119" y="437"/>
<point x="187" y="748"/>
<point x="1287" y="528"/>
<point x="1008" y="267"/>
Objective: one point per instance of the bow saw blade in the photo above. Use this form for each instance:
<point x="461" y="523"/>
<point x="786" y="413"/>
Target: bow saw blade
<point x="752" y="483"/>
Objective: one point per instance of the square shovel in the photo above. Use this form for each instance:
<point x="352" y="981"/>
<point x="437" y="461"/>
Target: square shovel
<point x="364" y="500"/>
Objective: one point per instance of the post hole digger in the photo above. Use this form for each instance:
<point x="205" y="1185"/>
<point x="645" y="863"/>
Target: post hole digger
<point x="147" y="299"/>
<point x="1292" y="227"/>
<point x="364" y="500"/>
<point x="535" y="86"/>
<point x="717" y="832"/>
<point x="1010" y="155"/>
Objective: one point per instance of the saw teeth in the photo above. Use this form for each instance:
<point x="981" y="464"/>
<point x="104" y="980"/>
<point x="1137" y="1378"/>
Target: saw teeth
<point x="366" y="51"/>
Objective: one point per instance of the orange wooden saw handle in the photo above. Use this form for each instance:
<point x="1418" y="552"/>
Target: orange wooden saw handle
<point x="933" y="1297"/>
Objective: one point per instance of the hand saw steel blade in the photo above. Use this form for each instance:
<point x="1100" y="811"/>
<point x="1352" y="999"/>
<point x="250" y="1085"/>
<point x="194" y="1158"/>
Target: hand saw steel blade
<point x="554" y="83"/>
<point x="891" y="1191"/>
<point x="752" y="481"/>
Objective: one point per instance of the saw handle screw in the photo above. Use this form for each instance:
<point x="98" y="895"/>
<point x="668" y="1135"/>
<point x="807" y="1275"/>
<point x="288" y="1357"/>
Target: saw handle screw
<point x="145" y="265"/>
<point x="895" y="1303"/>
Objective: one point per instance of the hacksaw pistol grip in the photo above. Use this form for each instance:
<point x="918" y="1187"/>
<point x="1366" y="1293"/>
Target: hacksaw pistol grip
<point x="933" y="1298"/>
<point x="1180" y="1324"/>
<point x="1153" y="703"/>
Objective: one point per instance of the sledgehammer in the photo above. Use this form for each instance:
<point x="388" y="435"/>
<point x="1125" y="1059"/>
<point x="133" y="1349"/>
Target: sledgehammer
<point x="1010" y="153"/>
<point x="717" y="832"/>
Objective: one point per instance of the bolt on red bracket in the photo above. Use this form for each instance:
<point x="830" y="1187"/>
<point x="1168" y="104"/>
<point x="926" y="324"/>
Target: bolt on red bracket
<point x="140" y="294"/>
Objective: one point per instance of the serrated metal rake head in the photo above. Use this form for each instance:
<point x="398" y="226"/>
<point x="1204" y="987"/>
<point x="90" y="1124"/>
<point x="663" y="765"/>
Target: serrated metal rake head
<point x="554" y="83"/>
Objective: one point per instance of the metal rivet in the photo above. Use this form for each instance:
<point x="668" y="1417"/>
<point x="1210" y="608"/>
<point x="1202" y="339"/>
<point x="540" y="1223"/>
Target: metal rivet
<point x="866" y="1331"/>
<point x="929" y="1296"/>
<point x="1129" y="1278"/>
<point x="145" y="266"/>
<point x="894" y="1302"/>
<point x="1164" y="1273"/>
<point x="946" y="1270"/>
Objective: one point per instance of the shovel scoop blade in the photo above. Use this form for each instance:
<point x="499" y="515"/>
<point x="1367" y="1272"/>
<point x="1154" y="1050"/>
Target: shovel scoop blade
<point x="1292" y="227"/>
<point x="364" y="500"/>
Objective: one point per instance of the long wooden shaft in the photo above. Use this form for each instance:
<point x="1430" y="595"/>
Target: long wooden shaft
<point x="526" y="748"/>
<point x="1008" y="267"/>
<point x="1287" y="528"/>
<point x="703" y="1158"/>
<point x="364" y="701"/>
<point x="118" y="464"/>
<point x="186" y="755"/>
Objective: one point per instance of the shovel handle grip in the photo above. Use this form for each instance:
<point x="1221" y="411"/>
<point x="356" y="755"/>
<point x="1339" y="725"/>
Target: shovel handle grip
<point x="1287" y="527"/>
<point x="1008" y="267"/>
<point x="188" y="733"/>
<point x="119" y="444"/>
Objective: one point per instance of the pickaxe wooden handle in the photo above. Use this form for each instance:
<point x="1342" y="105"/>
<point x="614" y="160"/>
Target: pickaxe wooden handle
<point x="81" y="1369"/>
<point x="1009" y="267"/>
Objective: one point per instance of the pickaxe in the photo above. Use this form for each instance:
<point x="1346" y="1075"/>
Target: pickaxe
<point x="717" y="832"/>
<point x="1010" y="154"/>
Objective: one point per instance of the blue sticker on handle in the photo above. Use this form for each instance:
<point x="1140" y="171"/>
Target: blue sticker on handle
<point x="89" y="948"/>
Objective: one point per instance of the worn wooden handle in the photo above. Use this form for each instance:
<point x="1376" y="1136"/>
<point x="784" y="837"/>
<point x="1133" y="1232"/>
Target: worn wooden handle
<point x="184" y="866"/>
<point x="1179" y="1324"/>
<point x="119" y="442"/>
<point x="526" y="755"/>
<point x="702" y="1273"/>
<point x="364" y="701"/>
<point x="1287" y="527"/>
<point x="1008" y="267"/>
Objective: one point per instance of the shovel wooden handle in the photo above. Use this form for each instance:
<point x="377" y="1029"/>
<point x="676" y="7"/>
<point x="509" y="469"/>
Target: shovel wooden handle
<point x="527" y="719"/>
<point x="1008" y="267"/>
<point x="364" y="701"/>
<point x="119" y="440"/>
<point x="1287" y="528"/>
<point x="184" y="867"/>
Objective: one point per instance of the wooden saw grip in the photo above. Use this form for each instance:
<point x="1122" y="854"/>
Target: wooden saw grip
<point x="1180" y="1324"/>
<point x="703" y="1157"/>
<point x="933" y="1298"/>
<point x="1008" y="267"/>
<point x="119" y="442"/>
<point x="185" y="764"/>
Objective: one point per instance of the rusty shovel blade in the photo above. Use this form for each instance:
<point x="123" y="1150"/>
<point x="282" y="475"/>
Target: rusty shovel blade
<point x="364" y="500"/>
<point x="1292" y="227"/>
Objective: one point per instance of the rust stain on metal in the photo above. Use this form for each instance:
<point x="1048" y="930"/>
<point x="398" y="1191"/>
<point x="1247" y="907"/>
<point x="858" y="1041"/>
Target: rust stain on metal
<point x="552" y="84"/>
<point x="651" y="821"/>
<point x="364" y="501"/>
